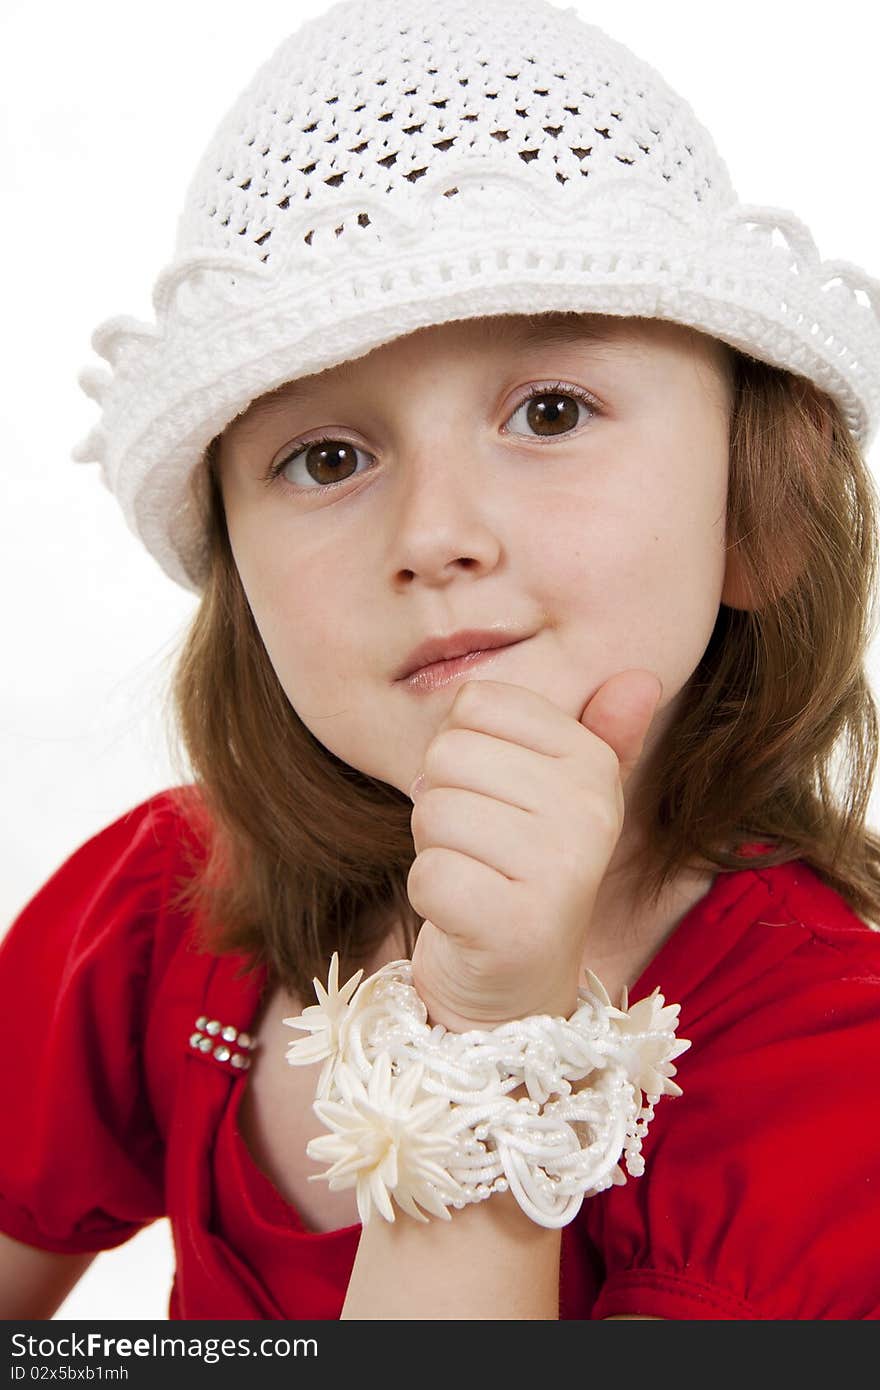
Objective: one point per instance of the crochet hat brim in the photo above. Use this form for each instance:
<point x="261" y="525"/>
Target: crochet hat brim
<point x="228" y="330"/>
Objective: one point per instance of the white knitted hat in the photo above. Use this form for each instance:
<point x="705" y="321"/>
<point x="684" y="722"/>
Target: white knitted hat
<point x="399" y="163"/>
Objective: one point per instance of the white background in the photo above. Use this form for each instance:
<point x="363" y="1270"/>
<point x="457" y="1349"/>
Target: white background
<point x="105" y="110"/>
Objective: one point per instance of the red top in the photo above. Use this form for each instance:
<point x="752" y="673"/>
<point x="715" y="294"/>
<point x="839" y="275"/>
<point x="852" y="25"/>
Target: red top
<point x="761" y="1195"/>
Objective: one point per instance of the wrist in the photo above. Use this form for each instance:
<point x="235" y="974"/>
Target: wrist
<point x="487" y="1111"/>
<point x="558" y="1004"/>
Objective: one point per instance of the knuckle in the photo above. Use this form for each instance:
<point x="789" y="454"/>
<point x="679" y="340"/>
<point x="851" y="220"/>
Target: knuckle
<point x="471" y="697"/>
<point x="424" y="817"/>
<point x="421" y="874"/>
<point x="440" y="751"/>
<point x="600" y="758"/>
<point x="604" y="818"/>
<point x="609" y="760"/>
<point x="443" y="741"/>
<point x="609" y="820"/>
<point x="415" y="880"/>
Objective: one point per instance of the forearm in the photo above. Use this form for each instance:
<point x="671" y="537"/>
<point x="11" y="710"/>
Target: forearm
<point x="489" y="1261"/>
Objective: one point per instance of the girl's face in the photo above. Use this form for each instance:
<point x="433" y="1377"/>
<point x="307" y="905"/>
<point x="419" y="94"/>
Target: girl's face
<point x="595" y="525"/>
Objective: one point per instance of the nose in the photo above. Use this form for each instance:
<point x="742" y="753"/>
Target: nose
<point x="443" y="519"/>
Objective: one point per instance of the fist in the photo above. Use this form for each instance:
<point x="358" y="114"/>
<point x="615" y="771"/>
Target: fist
<point x="514" y="824"/>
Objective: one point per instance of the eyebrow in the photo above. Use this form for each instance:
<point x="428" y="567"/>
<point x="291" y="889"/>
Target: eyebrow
<point x="590" y="331"/>
<point x="593" y="332"/>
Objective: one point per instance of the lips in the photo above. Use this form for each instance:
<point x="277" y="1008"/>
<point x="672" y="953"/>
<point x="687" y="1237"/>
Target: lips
<point x="442" y="673"/>
<point x="457" y="644"/>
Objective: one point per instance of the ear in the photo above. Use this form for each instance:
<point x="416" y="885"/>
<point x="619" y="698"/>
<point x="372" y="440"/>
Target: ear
<point x="737" y="589"/>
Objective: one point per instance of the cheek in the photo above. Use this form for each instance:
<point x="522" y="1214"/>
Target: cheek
<point x="641" y="563"/>
<point x="670" y="569"/>
<point x="297" y="593"/>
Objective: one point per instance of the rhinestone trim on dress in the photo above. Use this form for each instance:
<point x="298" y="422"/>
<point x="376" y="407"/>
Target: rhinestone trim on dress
<point x="223" y="1043"/>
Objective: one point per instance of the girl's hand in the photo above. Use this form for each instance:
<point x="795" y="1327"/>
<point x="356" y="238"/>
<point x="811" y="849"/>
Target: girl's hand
<point x="514" y="827"/>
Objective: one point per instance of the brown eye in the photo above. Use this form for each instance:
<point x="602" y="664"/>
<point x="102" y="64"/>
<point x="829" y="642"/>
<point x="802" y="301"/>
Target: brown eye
<point x="544" y="413"/>
<point x="552" y="412"/>
<point x="322" y="462"/>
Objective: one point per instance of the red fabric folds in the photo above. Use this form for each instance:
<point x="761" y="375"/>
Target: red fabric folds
<point x="761" y="1195"/>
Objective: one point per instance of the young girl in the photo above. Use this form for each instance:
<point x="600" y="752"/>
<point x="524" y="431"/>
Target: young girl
<point x="520" y="470"/>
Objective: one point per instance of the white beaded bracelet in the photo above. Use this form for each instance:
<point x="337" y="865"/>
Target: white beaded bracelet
<point x="426" y="1116"/>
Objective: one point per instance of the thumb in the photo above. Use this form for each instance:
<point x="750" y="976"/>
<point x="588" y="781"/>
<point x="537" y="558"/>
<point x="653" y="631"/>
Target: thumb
<point x="621" y="711"/>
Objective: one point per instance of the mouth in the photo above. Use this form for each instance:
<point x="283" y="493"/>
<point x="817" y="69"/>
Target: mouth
<point x="443" y="673"/>
<point x="434" y="651"/>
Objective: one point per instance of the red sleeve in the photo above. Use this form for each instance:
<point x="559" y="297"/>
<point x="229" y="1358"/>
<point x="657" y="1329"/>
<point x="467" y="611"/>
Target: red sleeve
<point x="81" y="1160"/>
<point x="761" y="1195"/>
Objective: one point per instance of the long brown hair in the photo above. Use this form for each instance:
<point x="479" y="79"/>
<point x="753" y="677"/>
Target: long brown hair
<point x="304" y="855"/>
